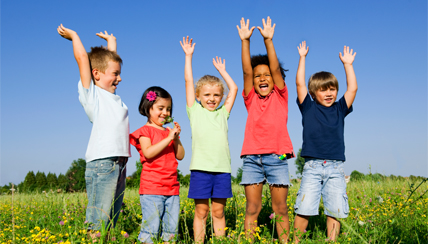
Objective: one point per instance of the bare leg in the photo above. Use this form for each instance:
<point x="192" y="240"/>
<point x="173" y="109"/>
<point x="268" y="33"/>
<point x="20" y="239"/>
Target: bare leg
<point x="279" y="206"/>
<point x="300" y="224"/>
<point x="253" y="193"/>
<point x="333" y="228"/>
<point x="201" y="212"/>
<point x="219" y="221"/>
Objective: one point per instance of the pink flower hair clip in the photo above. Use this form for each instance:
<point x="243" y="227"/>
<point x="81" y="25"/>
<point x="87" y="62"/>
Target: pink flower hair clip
<point x="151" y="96"/>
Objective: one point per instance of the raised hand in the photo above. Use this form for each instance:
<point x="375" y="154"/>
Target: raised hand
<point x="245" y="32"/>
<point x="268" y="29"/>
<point x="188" y="46"/>
<point x="65" y="32"/>
<point x="303" y="49"/>
<point x="348" y="56"/>
<point x="219" y="64"/>
<point x="106" y="36"/>
<point x="111" y="40"/>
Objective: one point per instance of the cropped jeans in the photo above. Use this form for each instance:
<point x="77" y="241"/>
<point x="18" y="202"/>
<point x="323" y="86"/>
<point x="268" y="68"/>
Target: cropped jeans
<point x="105" y="186"/>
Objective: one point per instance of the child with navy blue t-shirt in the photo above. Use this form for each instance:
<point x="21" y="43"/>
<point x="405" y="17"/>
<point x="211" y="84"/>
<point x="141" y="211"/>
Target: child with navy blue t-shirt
<point x="323" y="147"/>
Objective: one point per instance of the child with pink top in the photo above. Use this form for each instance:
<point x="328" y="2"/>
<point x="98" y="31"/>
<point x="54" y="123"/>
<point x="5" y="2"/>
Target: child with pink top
<point x="266" y="136"/>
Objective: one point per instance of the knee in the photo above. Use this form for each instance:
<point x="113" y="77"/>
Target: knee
<point x="280" y="208"/>
<point x="218" y="213"/>
<point x="253" y="208"/>
<point x="201" y="213"/>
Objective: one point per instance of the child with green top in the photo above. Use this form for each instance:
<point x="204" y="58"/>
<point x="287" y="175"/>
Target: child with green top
<point x="210" y="165"/>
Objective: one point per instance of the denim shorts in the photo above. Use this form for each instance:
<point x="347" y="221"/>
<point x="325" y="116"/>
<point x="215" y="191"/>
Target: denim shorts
<point x="206" y="185"/>
<point x="324" y="178"/>
<point x="263" y="168"/>
<point x="105" y="186"/>
<point x="157" y="208"/>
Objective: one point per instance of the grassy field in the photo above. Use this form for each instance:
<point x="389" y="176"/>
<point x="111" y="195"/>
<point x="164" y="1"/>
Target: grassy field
<point x="380" y="212"/>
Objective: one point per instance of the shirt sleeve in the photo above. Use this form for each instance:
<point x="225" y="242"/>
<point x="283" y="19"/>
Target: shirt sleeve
<point x="224" y="111"/>
<point x="134" y="137"/>
<point x="88" y="98"/>
<point x="344" y="107"/>
<point x="190" y="110"/>
<point x="283" y="92"/>
<point x="248" y="98"/>
<point x="305" y="105"/>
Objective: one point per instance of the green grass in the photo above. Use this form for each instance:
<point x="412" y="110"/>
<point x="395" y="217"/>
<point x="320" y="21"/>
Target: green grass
<point x="380" y="212"/>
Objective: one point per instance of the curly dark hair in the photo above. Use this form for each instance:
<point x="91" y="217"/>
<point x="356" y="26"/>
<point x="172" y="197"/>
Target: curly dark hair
<point x="146" y="105"/>
<point x="263" y="59"/>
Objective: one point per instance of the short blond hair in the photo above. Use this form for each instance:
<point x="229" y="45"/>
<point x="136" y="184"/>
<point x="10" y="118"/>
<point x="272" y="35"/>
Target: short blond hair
<point x="321" y="80"/>
<point x="100" y="56"/>
<point x="209" y="80"/>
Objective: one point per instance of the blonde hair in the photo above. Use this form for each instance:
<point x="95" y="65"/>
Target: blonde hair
<point x="209" y="80"/>
<point x="100" y="56"/>
<point x="321" y="80"/>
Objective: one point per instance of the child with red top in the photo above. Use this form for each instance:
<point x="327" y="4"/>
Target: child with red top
<point x="266" y="136"/>
<point x="159" y="147"/>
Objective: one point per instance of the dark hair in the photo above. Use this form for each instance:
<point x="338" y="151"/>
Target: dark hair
<point x="263" y="59"/>
<point x="146" y="105"/>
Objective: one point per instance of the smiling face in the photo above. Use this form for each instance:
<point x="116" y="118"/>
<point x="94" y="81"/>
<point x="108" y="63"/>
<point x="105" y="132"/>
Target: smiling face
<point x="160" y="111"/>
<point x="326" y="96"/>
<point x="110" y="78"/>
<point x="263" y="82"/>
<point x="210" y="96"/>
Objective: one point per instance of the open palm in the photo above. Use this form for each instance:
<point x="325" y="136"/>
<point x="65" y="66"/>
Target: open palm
<point x="188" y="46"/>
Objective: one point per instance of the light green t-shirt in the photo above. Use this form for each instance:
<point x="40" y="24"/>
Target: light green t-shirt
<point x="210" y="146"/>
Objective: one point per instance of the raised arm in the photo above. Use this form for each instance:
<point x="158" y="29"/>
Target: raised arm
<point x="111" y="40"/>
<point x="245" y="33"/>
<point x="267" y="33"/>
<point x="351" y="80"/>
<point x="188" y="49"/>
<point x="151" y="151"/>
<point x="302" y="91"/>
<point x="80" y="54"/>
<point x="233" y="88"/>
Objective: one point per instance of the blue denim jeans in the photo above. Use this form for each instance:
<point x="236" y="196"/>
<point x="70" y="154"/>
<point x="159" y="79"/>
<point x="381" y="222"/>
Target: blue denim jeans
<point x="261" y="168"/>
<point x="105" y="186"/>
<point x="324" y="178"/>
<point x="157" y="208"/>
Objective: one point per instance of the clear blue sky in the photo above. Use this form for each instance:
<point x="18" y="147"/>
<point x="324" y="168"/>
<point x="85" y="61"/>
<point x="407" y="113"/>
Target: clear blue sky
<point x="44" y="127"/>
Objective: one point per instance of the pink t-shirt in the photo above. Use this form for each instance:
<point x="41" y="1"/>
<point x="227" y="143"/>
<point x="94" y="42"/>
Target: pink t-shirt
<point x="159" y="174"/>
<point x="266" y="129"/>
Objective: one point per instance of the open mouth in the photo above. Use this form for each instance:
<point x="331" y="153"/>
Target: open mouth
<point x="264" y="87"/>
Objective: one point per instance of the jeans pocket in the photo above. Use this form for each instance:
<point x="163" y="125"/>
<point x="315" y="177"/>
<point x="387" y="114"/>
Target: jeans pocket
<point x="345" y="204"/>
<point x="106" y="168"/>
<point x="298" y="201"/>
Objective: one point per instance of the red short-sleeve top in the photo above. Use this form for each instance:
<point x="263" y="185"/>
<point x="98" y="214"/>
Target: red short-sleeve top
<point x="159" y="174"/>
<point x="266" y="128"/>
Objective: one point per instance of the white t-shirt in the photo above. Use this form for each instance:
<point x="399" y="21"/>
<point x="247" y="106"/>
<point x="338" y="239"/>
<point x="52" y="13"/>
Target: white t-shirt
<point x="110" y="123"/>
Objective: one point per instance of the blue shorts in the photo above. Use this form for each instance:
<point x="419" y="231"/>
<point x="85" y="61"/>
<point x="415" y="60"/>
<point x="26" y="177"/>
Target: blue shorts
<point x="205" y="185"/>
<point x="324" y="178"/>
<point x="157" y="209"/>
<point x="263" y="168"/>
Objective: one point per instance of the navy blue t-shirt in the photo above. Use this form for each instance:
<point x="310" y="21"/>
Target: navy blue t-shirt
<point x="323" y="129"/>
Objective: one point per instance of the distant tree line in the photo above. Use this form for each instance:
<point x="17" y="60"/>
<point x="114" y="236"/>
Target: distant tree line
<point x="72" y="181"/>
<point x="74" y="178"/>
